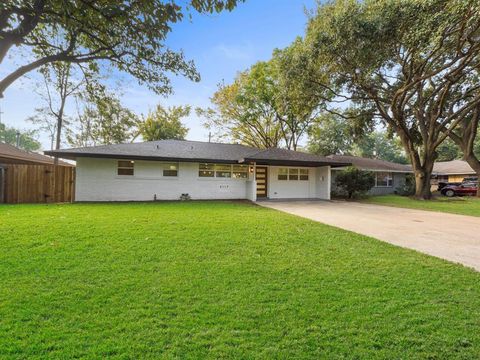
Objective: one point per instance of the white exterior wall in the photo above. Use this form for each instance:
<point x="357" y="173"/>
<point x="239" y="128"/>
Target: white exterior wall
<point x="97" y="180"/>
<point x="317" y="186"/>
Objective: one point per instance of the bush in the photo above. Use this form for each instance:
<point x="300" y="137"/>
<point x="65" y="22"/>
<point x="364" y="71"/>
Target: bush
<point x="355" y="182"/>
<point x="408" y="189"/>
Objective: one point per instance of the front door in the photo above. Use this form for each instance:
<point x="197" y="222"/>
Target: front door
<point x="261" y="179"/>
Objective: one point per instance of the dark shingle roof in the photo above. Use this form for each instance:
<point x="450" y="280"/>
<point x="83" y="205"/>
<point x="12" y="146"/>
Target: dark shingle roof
<point x="162" y="149"/>
<point x="183" y="150"/>
<point x="372" y="164"/>
<point x="283" y="156"/>
<point x="13" y="155"/>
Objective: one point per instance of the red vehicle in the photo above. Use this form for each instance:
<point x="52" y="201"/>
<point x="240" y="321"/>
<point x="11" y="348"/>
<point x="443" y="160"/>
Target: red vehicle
<point x="463" y="189"/>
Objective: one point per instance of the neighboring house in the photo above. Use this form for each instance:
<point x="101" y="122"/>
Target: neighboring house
<point x="28" y="177"/>
<point x="166" y="169"/>
<point x="452" y="171"/>
<point x="10" y="154"/>
<point x="389" y="176"/>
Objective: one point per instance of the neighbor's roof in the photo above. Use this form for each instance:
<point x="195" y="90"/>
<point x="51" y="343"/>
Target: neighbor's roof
<point x="372" y="164"/>
<point x="454" y="167"/>
<point x="10" y="154"/>
<point x="196" y="151"/>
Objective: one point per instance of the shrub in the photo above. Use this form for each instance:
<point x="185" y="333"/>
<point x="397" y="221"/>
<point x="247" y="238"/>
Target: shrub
<point x="355" y="182"/>
<point x="408" y="188"/>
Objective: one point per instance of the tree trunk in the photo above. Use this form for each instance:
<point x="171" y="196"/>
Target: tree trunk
<point x="422" y="185"/>
<point x="423" y="176"/>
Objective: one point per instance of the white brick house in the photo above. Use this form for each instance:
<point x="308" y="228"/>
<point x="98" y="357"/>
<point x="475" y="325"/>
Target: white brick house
<point x="166" y="169"/>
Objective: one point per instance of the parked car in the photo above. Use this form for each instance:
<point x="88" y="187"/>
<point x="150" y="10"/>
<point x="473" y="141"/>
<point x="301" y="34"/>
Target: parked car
<point x="442" y="184"/>
<point x="463" y="189"/>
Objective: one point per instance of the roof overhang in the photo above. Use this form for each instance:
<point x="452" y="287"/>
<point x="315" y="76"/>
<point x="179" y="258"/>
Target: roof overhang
<point x="293" y="162"/>
<point x="383" y="170"/>
<point x="74" y="156"/>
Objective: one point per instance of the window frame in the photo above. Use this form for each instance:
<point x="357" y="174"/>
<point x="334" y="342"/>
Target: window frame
<point x="389" y="179"/>
<point x="165" y="164"/>
<point x="289" y="174"/>
<point x="221" y="168"/>
<point x="132" y="168"/>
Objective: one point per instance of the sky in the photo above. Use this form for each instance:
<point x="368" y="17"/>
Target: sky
<point x="220" y="45"/>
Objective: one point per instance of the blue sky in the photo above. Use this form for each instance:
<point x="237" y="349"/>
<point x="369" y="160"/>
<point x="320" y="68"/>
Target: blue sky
<point x="220" y="45"/>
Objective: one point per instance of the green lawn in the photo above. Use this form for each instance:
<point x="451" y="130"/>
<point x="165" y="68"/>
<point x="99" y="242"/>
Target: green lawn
<point x="458" y="205"/>
<point x="221" y="280"/>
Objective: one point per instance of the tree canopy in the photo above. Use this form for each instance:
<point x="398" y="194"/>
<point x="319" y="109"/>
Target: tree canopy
<point x="128" y="35"/>
<point x="412" y="64"/>
<point x="27" y="140"/>
<point x="164" y="123"/>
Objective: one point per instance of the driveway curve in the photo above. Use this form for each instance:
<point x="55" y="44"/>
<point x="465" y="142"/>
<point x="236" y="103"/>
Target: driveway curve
<point x="451" y="237"/>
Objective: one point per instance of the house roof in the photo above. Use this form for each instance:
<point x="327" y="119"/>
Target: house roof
<point x="372" y="164"/>
<point x="454" y="167"/>
<point x="196" y="151"/>
<point x="282" y="156"/>
<point x="10" y="154"/>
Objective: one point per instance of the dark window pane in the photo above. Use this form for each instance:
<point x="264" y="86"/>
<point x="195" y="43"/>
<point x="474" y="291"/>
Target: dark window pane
<point x="125" y="171"/>
<point x="125" y="164"/>
<point x="170" y="173"/>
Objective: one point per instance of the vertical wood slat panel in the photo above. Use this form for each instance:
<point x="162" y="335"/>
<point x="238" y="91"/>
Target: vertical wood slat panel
<point x="39" y="183"/>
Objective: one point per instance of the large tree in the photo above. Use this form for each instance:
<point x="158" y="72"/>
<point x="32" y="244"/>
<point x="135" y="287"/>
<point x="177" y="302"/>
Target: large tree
<point x="267" y="105"/>
<point x="244" y="111"/>
<point x="297" y="105"/>
<point x="380" y="145"/>
<point x="164" y="123"/>
<point x="102" y="121"/>
<point x="413" y="63"/>
<point x="128" y="34"/>
<point x="331" y="135"/>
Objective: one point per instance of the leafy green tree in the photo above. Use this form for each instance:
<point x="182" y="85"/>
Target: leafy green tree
<point x="267" y="105"/>
<point x="298" y="105"/>
<point x="380" y="145"/>
<point x="354" y="182"/>
<point x="244" y="111"/>
<point x="103" y="121"/>
<point x="27" y="139"/>
<point x="164" y="123"/>
<point x="129" y="35"/>
<point x="330" y="135"/>
<point x="448" y="150"/>
<point x="414" y="64"/>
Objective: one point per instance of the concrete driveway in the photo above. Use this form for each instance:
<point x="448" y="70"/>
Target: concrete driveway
<point x="452" y="237"/>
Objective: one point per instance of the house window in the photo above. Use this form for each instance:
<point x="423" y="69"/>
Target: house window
<point x="125" y="167"/>
<point x="206" y="170"/>
<point x="383" y="179"/>
<point x="170" y="169"/>
<point x="292" y="174"/>
<point x="283" y="174"/>
<point x="223" y="171"/>
<point x="240" y="171"/>
<point x="304" y="174"/>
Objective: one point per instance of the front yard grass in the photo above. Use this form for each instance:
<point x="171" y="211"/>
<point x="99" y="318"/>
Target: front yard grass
<point x="217" y="280"/>
<point x="457" y="205"/>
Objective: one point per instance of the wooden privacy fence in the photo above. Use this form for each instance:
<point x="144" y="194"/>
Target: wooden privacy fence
<point x="37" y="184"/>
